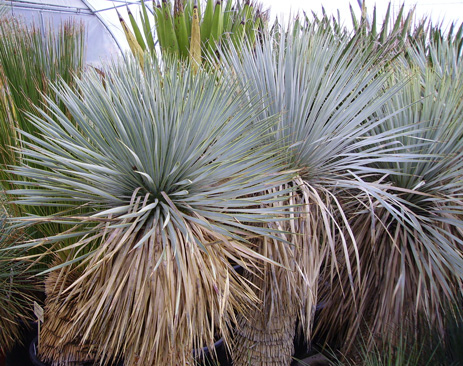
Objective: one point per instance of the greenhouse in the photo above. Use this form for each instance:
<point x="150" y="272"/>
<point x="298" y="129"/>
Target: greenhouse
<point x="104" y="37"/>
<point x="194" y="182"/>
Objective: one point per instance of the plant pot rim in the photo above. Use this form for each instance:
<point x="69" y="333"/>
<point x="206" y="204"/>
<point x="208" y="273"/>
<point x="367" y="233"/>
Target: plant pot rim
<point x="201" y="352"/>
<point x="33" y="353"/>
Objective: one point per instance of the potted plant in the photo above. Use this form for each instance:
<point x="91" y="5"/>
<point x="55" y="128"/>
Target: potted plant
<point x="409" y="229"/>
<point x="175" y="167"/>
<point x="321" y="85"/>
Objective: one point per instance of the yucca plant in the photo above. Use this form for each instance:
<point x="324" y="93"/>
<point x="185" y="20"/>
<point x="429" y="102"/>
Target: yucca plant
<point x="433" y="49"/>
<point x="393" y="31"/>
<point x="409" y="227"/>
<point x="176" y="167"/>
<point x="321" y="86"/>
<point x="186" y="32"/>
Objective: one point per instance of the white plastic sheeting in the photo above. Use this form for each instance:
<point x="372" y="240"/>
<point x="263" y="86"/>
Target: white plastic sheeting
<point x="105" y="38"/>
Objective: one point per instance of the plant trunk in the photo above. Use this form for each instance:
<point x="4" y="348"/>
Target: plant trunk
<point x="265" y="336"/>
<point x="59" y="343"/>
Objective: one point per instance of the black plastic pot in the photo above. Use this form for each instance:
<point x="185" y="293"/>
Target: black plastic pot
<point x="33" y="353"/>
<point x="202" y="352"/>
<point x="18" y="355"/>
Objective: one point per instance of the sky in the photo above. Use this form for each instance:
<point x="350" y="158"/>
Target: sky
<point x="439" y="10"/>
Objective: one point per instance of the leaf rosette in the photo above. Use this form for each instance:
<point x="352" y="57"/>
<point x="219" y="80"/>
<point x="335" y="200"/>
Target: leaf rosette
<point x="176" y="170"/>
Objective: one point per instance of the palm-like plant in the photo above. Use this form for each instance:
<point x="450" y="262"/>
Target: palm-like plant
<point x="322" y="87"/>
<point x="175" y="167"/>
<point x="409" y="227"/>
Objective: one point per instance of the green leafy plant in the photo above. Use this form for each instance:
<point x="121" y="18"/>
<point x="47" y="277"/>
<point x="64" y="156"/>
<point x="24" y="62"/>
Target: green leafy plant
<point x="403" y="350"/>
<point x="29" y="61"/>
<point x="411" y="344"/>
<point x="447" y="344"/>
<point x="16" y="287"/>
